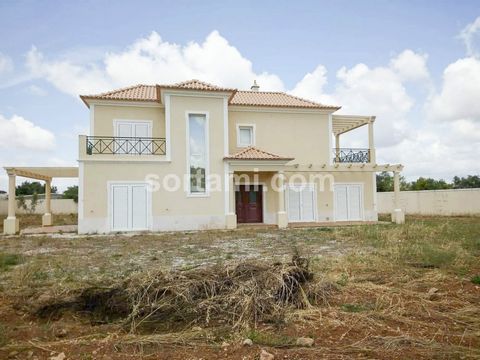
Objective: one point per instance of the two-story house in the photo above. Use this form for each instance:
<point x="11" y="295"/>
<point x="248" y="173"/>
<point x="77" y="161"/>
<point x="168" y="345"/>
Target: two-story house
<point x="197" y="156"/>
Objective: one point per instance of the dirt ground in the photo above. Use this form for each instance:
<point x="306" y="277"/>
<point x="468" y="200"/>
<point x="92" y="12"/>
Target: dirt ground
<point x="410" y="291"/>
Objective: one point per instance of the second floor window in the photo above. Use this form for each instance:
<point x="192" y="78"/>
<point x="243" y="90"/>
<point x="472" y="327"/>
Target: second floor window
<point x="245" y="136"/>
<point x="197" y="156"/>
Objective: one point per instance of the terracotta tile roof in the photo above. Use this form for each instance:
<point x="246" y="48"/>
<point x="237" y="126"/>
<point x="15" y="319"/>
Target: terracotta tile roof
<point x="197" y="85"/>
<point x="243" y="98"/>
<point x="274" y="99"/>
<point x="131" y="93"/>
<point x="253" y="153"/>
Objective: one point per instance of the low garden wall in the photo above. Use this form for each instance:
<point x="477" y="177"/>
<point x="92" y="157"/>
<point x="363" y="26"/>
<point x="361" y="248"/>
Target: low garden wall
<point x="59" y="206"/>
<point x="433" y="202"/>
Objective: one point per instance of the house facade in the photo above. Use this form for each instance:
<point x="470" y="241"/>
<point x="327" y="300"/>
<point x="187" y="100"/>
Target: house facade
<point x="194" y="155"/>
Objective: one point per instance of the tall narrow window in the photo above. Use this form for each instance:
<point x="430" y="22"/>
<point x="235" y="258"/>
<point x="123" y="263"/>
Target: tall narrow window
<point x="197" y="137"/>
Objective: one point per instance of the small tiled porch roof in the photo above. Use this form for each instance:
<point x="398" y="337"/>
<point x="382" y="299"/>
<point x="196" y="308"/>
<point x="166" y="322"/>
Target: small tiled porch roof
<point x="253" y="153"/>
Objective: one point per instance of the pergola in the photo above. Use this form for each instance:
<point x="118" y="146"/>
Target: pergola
<point x="11" y="223"/>
<point x="342" y="124"/>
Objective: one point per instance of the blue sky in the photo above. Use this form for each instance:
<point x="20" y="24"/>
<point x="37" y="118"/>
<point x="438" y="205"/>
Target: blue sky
<point x="404" y="61"/>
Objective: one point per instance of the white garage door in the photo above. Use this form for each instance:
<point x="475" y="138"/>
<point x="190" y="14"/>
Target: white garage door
<point x="348" y="202"/>
<point x="301" y="202"/>
<point x="129" y="207"/>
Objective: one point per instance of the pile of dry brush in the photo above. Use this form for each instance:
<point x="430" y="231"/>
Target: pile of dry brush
<point x="240" y="295"/>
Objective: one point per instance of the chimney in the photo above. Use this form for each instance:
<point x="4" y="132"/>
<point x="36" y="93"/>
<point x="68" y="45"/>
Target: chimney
<point x="254" y="87"/>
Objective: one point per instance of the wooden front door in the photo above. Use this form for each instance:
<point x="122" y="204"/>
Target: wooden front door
<point x="248" y="203"/>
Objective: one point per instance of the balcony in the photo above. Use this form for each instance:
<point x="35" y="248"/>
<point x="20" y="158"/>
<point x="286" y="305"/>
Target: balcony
<point x="110" y="145"/>
<point x="346" y="155"/>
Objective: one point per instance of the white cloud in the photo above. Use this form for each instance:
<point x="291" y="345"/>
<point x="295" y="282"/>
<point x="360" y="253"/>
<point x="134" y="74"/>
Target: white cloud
<point x="471" y="36"/>
<point x="376" y="91"/>
<point x="152" y="60"/>
<point x="18" y="132"/>
<point x="411" y="66"/>
<point x="459" y="96"/>
<point x="66" y="76"/>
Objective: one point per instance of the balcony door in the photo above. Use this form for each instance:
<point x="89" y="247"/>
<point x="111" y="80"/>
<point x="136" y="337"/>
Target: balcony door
<point x="129" y="136"/>
<point x="249" y="203"/>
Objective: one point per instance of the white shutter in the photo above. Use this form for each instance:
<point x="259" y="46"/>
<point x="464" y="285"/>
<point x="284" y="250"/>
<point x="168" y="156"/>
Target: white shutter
<point x="129" y="207"/>
<point x="354" y="202"/>
<point x="348" y="202"/>
<point x="341" y="202"/>
<point x="120" y="194"/>
<point x="141" y="130"/>
<point x="307" y="206"/>
<point x="139" y="207"/>
<point x="122" y="146"/>
<point x="301" y="202"/>
<point x="293" y="204"/>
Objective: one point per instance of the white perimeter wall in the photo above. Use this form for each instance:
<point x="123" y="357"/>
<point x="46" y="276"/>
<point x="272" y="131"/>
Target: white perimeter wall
<point x="59" y="206"/>
<point x="433" y="202"/>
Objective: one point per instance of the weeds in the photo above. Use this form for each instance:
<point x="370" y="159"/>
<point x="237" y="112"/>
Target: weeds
<point x="370" y="296"/>
<point x="9" y="260"/>
<point x="3" y="336"/>
<point x="270" y="338"/>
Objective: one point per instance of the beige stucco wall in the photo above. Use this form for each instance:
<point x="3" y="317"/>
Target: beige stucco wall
<point x="58" y="206"/>
<point x="304" y="136"/>
<point x="171" y="210"/>
<point x="105" y="114"/>
<point x="433" y="202"/>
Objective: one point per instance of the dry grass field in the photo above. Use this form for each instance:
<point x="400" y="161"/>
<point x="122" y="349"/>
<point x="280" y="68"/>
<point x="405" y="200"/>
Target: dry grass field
<point x="370" y="291"/>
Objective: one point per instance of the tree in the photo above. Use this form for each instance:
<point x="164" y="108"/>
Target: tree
<point x="71" y="193"/>
<point x="469" y="182"/>
<point x="385" y="182"/>
<point x="30" y="188"/>
<point x="429" y="184"/>
<point x="22" y="203"/>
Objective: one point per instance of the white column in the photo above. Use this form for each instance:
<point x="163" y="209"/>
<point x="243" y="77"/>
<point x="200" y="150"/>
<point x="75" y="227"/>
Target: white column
<point x="11" y="196"/>
<point x="398" y="216"/>
<point x="282" y="220"/>
<point x="231" y="217"/>
<point x="396" y="188"/>
<point x="11" y="224"/>
<point x="371" y="142"/>
<point x="47" y="217"/>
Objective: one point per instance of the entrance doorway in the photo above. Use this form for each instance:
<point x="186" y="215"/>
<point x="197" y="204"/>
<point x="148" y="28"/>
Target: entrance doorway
<point x="249" y="203"/>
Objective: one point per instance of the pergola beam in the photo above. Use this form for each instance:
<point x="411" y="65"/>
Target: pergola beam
<point x="27" y="174"/>
<point x="345" y="123"/>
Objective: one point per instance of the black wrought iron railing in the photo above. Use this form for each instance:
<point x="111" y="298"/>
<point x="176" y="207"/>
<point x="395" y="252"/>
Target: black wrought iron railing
<point x="343" y="155"/>
<point x="125" y="145"/>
